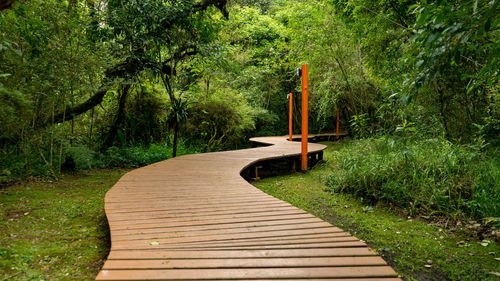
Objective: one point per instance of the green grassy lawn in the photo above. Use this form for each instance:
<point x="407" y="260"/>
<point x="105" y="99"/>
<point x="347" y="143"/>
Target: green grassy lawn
<point x="55" y="230"/>
<point x="416" y="249"/>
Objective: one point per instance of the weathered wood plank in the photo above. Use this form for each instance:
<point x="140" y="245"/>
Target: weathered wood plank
<point x="243" y="263"/>
<point x="243" y="273"/>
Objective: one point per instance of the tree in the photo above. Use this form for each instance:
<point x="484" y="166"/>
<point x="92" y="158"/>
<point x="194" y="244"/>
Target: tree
<point x="160" y="35"/>
<point x="455" y="59"/>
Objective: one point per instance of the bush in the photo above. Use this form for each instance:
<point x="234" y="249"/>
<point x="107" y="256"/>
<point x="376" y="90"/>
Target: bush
<point x="217" y="124"/>
<point x="138" y="156"/>
<point x="12" y="167"/>
<point x="426" y="177"/>
<point x="83" y="156"/>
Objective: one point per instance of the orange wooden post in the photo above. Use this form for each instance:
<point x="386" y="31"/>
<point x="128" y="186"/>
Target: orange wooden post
<point x="337" y="123"/>
<point x="304" y="117"/>
<point x="290" y="128"/>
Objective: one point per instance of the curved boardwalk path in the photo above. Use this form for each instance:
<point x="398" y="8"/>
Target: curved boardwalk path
<point x="194" y="218"/>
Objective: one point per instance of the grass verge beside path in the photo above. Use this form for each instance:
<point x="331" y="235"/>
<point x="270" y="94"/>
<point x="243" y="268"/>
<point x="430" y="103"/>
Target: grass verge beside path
<point x="55" y="230"/>
<point x="417" y="250"/>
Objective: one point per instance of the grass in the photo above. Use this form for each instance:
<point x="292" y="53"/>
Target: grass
<point x="55" y="230"/>
<point x="416" y="249"/>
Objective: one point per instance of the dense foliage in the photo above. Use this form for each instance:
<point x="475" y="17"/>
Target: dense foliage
<point x="87" y="83"/>
<point x="429" y="177"/>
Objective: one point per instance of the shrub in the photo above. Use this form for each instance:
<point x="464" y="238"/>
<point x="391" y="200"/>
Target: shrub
<point x="138" y="156"/>
<point x="83" y="156"/>
<point x="217" y="124"/>
<point x="427" y="177"/>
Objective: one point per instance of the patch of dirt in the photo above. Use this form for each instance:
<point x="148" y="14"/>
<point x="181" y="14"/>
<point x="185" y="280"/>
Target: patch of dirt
<point x="15" y="215"/>
<point x="427" y="274"/>
<point x="335" y="219"/>
<point x="431" y="274"/>
<point x="473" y="230"/>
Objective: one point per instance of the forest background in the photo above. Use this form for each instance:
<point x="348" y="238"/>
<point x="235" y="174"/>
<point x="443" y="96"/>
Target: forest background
<point x="93" y="84"/>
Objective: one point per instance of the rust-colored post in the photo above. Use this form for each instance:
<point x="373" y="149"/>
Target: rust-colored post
<point x="338" y="122"/>
<point x="290" y="128"/>
<point x="304" y="117"/>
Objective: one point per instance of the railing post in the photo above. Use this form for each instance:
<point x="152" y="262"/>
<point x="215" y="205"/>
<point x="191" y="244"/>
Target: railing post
<point x="305" y="99"/>
<point x="290" y="125"/>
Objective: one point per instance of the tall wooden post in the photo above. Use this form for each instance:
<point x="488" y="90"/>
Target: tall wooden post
<point x="290" y="125"/>
<point x="338" y="122"/>
<point x="305" y="124"/>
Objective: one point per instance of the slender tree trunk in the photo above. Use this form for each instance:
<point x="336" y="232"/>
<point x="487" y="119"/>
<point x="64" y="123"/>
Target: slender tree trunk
<point x="61" y="138"/>
<point x="25" y="152"/>
<point x="91" y="127"/>
<point x="176" y="136"/>
<point x="119" y="118"/>
<point x="40" y="152"/>
<point x="72" y="119"/>
<point x="208" y="86"/>
<point x="51" y="151"/>
<point x="442" y="110"/>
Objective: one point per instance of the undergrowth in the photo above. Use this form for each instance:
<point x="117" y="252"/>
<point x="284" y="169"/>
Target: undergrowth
<point x="425" y="177"/>
<point x="80" y="157"/>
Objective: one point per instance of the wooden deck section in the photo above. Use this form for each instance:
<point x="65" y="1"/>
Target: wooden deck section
<point x="194" y="218"/>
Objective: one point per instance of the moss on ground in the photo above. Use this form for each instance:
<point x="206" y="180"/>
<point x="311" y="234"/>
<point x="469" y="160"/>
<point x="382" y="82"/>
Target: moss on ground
<point x="416" y="249"/>
<point x="55" y="230"/>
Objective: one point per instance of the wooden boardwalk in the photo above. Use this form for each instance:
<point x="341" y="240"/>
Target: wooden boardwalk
<point x="194" y="218"/>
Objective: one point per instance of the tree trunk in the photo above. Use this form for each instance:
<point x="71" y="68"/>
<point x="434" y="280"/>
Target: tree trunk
<point x="119" y="118"/>
<point x="176" y="136"/>
<point x="91" y="127"/>
<point x="442" y="109"/>
<point x="61" y="135"/>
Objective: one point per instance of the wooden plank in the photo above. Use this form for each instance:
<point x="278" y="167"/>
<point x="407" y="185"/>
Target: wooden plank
<point x="225" y="207"/>
<point x="279" y="241"/>
<point x="329" y="245"/>
<point x="196" y="216"/>
<point x="236" y="254"/>
<point x="145" y="241"/>
<point x="257" y="239"/>
<point x="243" y="273"/>
<point x="197" y="208"/>
<point x="207" y="221"/>
<point x="243" y="263"/>
<point x="228" y="228"/>
<point x="138" y="197"/>
<point x="200" y="203"/>
<point x="256" y="214"/>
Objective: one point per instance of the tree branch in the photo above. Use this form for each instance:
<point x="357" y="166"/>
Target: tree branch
<point x="72" y="112"/>
<point x="219" y="4"/>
